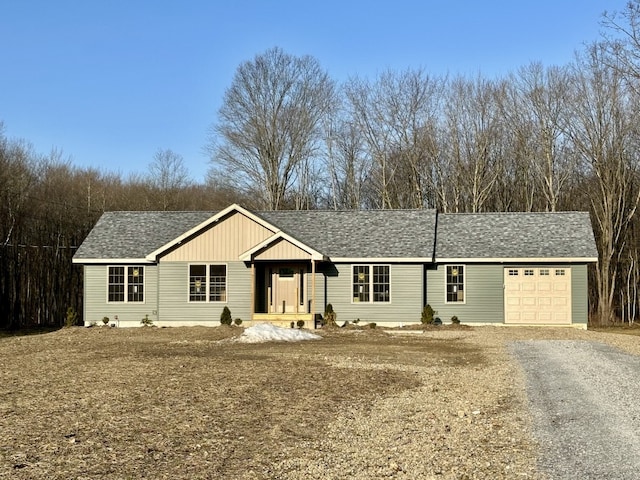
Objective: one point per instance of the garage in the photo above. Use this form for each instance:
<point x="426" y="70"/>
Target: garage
<point x="537" y="295"/>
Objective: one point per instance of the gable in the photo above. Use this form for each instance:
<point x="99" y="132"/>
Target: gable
<point x="224" y="240"/>
<point x="282" y="249"/>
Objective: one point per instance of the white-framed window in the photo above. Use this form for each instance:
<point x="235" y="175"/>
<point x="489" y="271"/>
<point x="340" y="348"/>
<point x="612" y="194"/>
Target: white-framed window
<point x="528" y="272"/>
<point x="455" y="283"/>
<point x="513" y="272"/>
<point x="207" y="282"/>
<point x="371" y="283"/>
<point x="544" y="272"/>
<point x="125" y="284"/>
<point x="560" y="272"/>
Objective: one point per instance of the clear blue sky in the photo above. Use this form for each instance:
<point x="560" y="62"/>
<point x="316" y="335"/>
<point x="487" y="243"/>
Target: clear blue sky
<point x="110" y="82"/>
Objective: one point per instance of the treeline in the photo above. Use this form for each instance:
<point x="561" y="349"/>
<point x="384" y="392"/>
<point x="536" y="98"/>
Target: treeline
<point x="544" y="138"/>
<point x="47" y="208"/>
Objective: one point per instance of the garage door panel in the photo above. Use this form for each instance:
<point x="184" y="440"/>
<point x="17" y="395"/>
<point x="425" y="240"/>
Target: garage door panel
<point x="544" y="286"/>
<point x="537" y="295"/>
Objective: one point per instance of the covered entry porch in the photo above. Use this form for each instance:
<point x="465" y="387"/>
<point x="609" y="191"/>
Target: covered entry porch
<point x="283" y="282"/>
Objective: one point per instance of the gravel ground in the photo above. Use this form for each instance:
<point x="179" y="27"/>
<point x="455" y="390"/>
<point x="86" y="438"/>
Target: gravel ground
<point x="584" y="398"/>
<point x="449" y="403"/>
<point x="476" y="422"/>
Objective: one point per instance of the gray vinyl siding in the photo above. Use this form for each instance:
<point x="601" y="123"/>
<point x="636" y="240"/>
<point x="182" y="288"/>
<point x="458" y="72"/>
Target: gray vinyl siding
<point x="174" y="302"/>
<point x="579" y="294"/>
<point x="405" y="292"/>
<point x="95" y="297"/>
<point x="484" y="294"/>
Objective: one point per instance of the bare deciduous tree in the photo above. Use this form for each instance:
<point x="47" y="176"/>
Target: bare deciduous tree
<point x="168" y="176"/>
<point x="604" y="132"/>
<point x="269" y="122"/>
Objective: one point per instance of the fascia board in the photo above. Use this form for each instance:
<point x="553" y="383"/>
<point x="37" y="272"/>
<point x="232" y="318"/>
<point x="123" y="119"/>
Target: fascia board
<point x="315" y="255"/>
<point x="517" y="260"/>
<point x="111" y="261"/>
<point x="382" y="259"/>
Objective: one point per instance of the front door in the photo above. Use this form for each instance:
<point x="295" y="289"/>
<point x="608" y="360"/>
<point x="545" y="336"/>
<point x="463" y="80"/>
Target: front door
<point x="287" y="284"/>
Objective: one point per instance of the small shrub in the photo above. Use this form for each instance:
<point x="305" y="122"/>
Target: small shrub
<point x="71" y="318"/>
<point x="225" y="316"/>
<point x="300" y="323"/>
<point x="105" y="320"/>
<point x="455" y="320"/>
<point x="427" y="315"/>
<point x="329" y="316"/>
<point x="146" y="321"/>
<point x="238" y="321"/>
<point x="372" y="325"/>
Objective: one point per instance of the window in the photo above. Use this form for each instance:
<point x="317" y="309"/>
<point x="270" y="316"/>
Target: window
<point x="361" y="283"/>
<point x="217" y="283"/>
<point x="513" y="273"/>
<point x="135" y="284"/>
<point x="197" y="283"/>
<point x="560" y="272"/>
<point x="528" y="272"/>
<point x="126" y="279"/>
<point x="207" y="278"/>
<point x="544" y="272"/>
<point x="116" y="284"/>
<point x="381" y="283"/>
<point x="371" y="283"/>
<point x="455" y="283"/>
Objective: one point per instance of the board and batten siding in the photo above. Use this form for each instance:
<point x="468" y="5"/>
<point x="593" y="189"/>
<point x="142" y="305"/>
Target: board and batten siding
<point x="129" y="314"/>
<point x="176" y="309"/>
<point x="282" y="250"/>
<point x="405" y="292"/>
<point x="224" y="241"/>
<point x="484" y="294"/>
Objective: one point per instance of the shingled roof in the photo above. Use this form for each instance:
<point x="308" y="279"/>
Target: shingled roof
<point x="342" y="234"/>
<point x="380" y="234"/>
<point x="361" y="233"/>
<point x="133" y="235"/>
<point x="519" y="235"/>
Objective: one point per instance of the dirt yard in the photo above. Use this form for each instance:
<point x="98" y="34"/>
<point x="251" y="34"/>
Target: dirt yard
<point x="87" y="403"/>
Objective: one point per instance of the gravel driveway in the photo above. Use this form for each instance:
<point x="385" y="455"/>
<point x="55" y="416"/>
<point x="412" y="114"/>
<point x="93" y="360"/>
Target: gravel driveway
<point x="585" y="399"/>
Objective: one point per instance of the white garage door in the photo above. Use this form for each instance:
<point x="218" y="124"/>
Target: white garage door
<point x="539" y="296"/>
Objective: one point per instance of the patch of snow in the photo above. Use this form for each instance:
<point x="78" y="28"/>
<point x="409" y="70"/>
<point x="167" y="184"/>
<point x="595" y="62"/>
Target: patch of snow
<point x="265" y="332"/>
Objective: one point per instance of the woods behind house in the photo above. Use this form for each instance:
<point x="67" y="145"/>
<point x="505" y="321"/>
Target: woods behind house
<point x="543" y="138"/>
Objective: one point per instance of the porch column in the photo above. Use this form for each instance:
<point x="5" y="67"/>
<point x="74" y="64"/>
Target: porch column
<point x="253" y="291"/>
<point x="313" y="292"/>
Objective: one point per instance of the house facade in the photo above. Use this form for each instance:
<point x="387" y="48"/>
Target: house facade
<point x="384" y="266"/>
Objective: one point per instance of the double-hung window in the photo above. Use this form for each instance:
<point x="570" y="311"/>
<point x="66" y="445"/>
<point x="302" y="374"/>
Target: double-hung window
<point x="207" y="283"/>
<point x="455" y="283"/>
<point x="125" y="284"/>
<point x="371" y="283"/>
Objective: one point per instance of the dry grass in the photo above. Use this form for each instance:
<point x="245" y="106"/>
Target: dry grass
<point x="192" y="403"/>
<point x="182" y="403"/>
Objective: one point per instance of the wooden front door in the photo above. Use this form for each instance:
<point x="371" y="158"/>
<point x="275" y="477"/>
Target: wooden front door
<point x="288" y="290"/>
